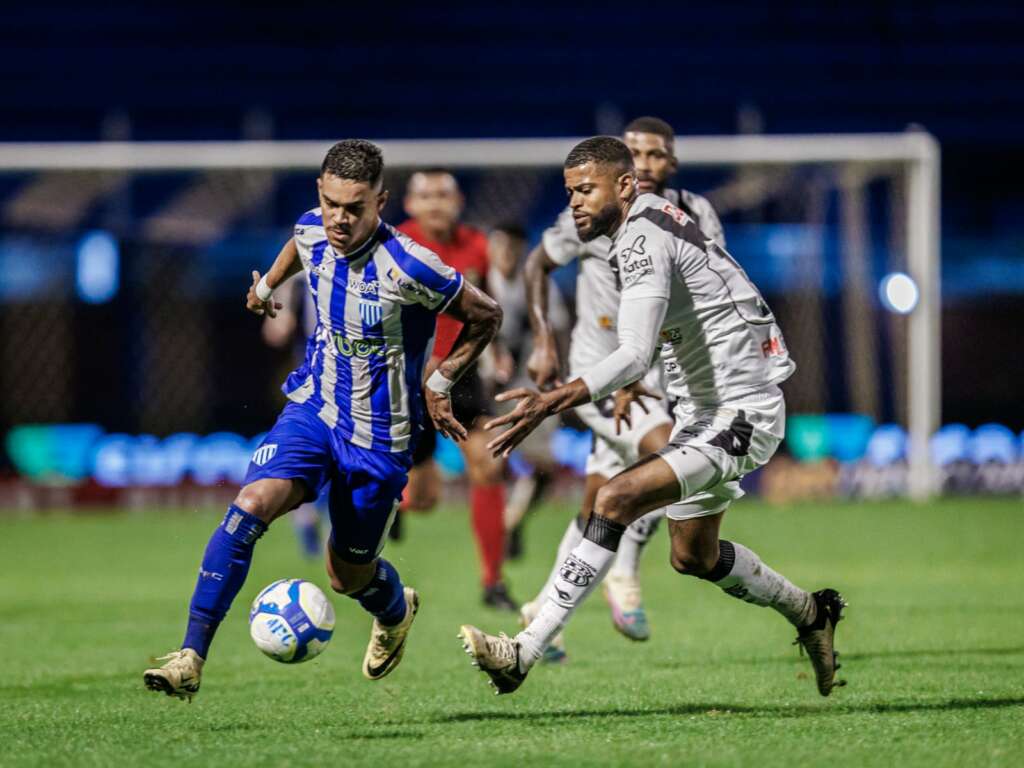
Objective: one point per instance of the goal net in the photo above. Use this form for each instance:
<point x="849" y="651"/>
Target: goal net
<point x="123" y="266"/>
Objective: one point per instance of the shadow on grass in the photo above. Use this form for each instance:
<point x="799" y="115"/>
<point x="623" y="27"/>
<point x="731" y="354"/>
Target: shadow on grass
<point x="721" y="709"/>
<point x="913" y="653"/>
<point x="909" y="653"/>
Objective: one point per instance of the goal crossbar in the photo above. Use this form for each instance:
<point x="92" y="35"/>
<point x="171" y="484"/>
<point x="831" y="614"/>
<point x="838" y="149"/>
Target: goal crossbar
<point x="917" y="152"/>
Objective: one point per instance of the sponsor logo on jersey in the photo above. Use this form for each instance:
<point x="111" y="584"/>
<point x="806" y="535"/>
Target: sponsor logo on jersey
<point x="263" y="454"/>
<point x="372" y="312"/>
<point x="772" y="347"/>
<point x="636" y="249"/>
<point x="672" y="336"/>
<point x="406" y="285"/>
<point x="362" y="286"/>
<point x="358" y="347"/>
<point x="606" y="322"/>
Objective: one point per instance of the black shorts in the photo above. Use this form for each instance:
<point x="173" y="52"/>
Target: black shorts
<point x="426" y="444"/>
<point x="469" y="403"/>
<point x="470" y="399"/>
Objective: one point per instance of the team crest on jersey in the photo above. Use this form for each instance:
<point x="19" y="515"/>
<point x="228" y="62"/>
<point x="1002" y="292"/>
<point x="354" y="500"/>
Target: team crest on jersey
<point x="372" y="312"/>
<point x="264" y="454"/>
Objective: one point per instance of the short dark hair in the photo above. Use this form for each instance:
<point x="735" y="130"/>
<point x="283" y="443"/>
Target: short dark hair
<point x="510" y="228"/>
<point x="603" y="150"/>
<point x="356" y="160"/>
<point x="654" y="125"/>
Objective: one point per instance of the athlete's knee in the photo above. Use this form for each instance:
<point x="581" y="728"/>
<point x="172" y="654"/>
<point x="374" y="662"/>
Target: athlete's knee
<point x="693" y="560"/>
<point x="349" y="578"/>
<point x="617" y="500"/>
<point x="261" y="499"/>
<point x="481" y="467"/>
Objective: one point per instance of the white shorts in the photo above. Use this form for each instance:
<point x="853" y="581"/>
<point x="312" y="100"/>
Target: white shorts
<point x="736" y="438"/>
<point x="612" y="453"/>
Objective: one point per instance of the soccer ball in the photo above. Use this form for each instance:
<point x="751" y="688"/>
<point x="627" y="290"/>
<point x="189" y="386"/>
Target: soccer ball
<point x="291" y="621"/>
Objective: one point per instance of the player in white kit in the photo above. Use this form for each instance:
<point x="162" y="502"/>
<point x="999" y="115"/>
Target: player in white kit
<point x="724" y="358"/>
<point x="617" y="443"/>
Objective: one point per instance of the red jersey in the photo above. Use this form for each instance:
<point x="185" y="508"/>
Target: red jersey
<point x="466" y="252"/>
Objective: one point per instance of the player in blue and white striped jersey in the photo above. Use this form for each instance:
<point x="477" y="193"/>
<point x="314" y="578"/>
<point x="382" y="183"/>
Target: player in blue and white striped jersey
<point x="356" y="407"/>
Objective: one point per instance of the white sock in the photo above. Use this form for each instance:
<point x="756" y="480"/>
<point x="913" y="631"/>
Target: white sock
<point x="751" y="580"/>
<point x="577" y="576"/>
<point x="639" y="532"/>
<point x="573" y="535"/>
<point x="519" y="500"/>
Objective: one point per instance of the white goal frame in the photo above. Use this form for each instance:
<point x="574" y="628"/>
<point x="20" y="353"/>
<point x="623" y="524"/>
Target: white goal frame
<point x="916" y="152"/>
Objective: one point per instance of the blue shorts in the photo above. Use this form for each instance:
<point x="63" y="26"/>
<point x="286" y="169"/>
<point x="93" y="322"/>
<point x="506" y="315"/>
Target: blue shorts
<point x="366" y="485"/>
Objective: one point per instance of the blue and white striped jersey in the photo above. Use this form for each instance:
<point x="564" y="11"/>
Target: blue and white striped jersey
<point x="376" y="311"/>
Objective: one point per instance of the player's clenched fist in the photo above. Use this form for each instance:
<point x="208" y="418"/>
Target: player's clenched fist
<point x="259" y="306"/>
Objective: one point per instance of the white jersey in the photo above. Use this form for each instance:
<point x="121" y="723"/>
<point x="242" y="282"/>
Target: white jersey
<point x="597" y="292"/>
<point x="375" y="319"/>
<point x="719" y="339"/>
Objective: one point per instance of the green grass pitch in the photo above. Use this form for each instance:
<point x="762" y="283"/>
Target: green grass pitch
<point x="933" y="649"/>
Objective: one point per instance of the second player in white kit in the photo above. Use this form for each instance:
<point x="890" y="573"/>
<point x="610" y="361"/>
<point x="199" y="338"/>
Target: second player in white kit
<point x="724" y="357"/>
<point x="616" y="444"/>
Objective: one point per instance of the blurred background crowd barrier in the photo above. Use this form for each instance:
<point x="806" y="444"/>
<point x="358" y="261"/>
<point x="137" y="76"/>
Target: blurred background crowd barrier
<point x="127" y="361"/>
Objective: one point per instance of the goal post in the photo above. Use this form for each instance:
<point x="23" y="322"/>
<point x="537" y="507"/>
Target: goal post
<point x="914" y="156"/>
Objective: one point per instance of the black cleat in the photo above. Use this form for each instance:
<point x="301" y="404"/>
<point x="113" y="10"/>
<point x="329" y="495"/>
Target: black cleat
<point x="817" y="639"/>
<point x="497" y="596"/>
<point x="514" y="543"/>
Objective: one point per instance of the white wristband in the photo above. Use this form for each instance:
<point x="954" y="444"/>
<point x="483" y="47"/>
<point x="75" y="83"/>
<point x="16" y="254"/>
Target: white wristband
<point x="263" y="291"/>
<point x="438" y="383"/>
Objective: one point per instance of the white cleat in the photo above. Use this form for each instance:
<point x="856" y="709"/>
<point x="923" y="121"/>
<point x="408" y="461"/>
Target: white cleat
<point x="497" y="656"/>
<point x="387" y="644"/>
<point x="554" y="653"/>
<point x="624" y="597"/>
<point x="179" y="676"/>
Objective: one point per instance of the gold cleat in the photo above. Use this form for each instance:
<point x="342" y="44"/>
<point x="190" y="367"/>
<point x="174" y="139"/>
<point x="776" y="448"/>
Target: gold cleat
<point x="387" y="644"/>
<point x="497" y="656"/>
<point x="179" y="676"/>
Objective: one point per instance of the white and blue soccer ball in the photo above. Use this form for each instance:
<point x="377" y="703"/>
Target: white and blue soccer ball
<point x="291" y="621"/>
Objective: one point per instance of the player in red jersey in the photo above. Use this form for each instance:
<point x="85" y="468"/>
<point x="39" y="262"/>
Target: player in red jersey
<point x="434" y="203"/>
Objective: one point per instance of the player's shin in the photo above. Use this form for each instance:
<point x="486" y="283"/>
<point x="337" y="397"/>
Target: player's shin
<point x="384" y="595"/>
<point x="221" y="576"/>
<point x="570" y="539"/>
<point x="741" y="573"/>
<point x="578" y="574"/>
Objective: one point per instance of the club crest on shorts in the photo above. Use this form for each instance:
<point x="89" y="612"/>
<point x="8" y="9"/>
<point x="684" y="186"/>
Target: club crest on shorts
<point x="264" y="454"/>
<point x="372" y="312"/>
<point x="575" y="571"/>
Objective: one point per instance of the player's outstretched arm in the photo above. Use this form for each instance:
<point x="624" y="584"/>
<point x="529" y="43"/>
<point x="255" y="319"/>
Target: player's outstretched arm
<point x="481" y="320"/>
<point x="543" y="365"/>
<point x="638" y="334"/>
<point x="259" y="299"/>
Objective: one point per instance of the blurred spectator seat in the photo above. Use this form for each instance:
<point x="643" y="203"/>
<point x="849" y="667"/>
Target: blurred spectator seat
<point x="888" y="445"/>
<point x="949" y="444"/>
<point x="992" y="443"/>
